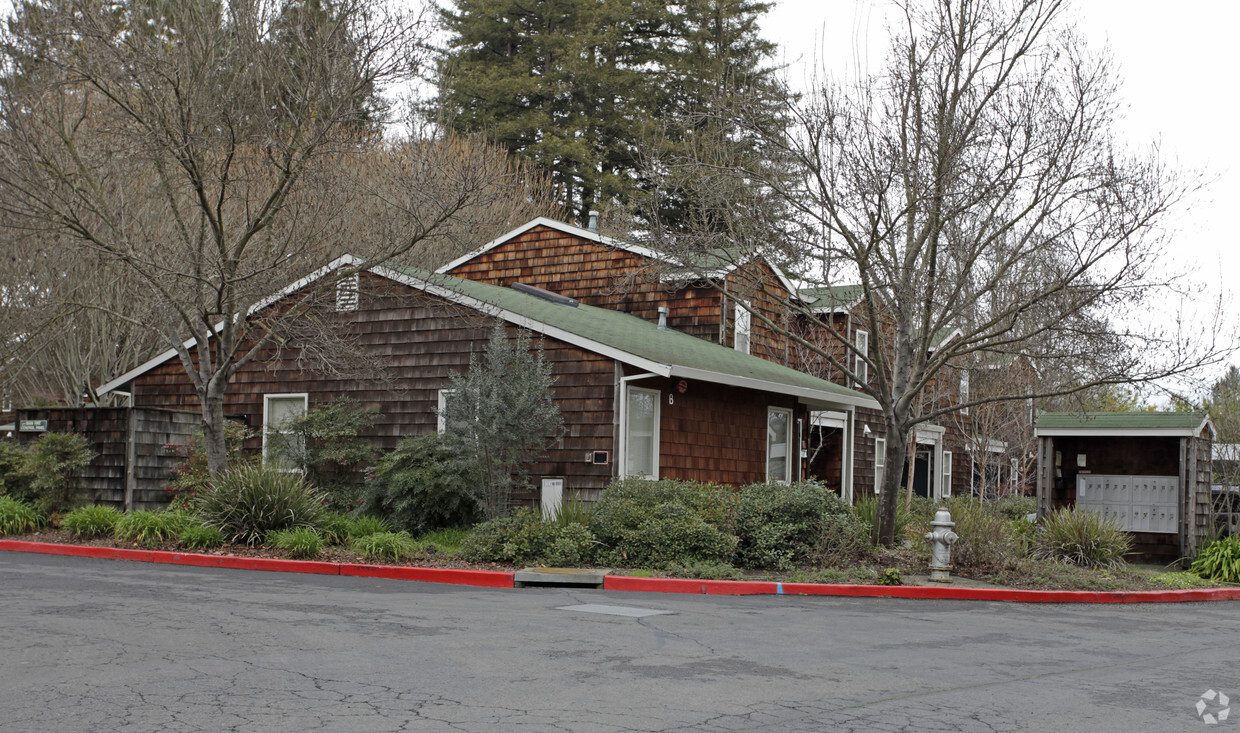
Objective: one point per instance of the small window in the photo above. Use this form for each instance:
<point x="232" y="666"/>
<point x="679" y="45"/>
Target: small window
<point x="742" y="321"/>
<point x="964" y="391"/>
<point x="947" y="474"/>
<point x="778" y="445"/>
<point x="6" y="404"/>
<point x="641" y="433"/>
<point x="442" y="411"/>
<point x="880" y="463"/>
<point x="347" y="293"/>
<point x="861" y="340"/>
<point x="281" y="447"/>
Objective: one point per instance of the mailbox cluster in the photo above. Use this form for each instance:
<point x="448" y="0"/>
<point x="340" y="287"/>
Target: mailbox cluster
<point x="1136" y="503"/>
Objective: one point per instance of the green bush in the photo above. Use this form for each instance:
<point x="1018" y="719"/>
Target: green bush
<point x="246" y="503"/>
<point x="840" y="540"/>
<point x="424" y="484"/>
<point x="366" y="525"/>
<point x="394" y="546"/>
<point x="91" y="521"/>
<point x="524" y="538"/>
<point x="781" y="525"/>
<point x="718" y="506"/>
<point x="1016" y="506"/>
<point x="334" y="527"/>
<point x="908" y="517"/>
<point x="301" y="543"/>
<point x="659" y="536"/>
<point x="201" y="537"/>
<point x="326" y="444"/>
<point x="447" y="540"/>
<point x="986" y="535"/>
<point x="1081" y="538"/>
<point x="708" y="571"/>
<point x="18" y="517"/>
<point x="54" y="463"/>
<point x="1219" y="561"/>
<point x="151" y="528"/>
<point x="13" y="480"/>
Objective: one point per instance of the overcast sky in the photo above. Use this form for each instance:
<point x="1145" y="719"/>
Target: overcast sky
<point x="1178" y="71"/>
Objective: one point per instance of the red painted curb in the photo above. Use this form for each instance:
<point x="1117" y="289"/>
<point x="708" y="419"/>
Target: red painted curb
<point x="493" y="579"/>
<point x="453" y="576"/>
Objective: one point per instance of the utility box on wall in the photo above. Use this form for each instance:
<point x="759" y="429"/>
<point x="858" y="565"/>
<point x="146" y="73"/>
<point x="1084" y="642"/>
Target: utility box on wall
<point x="1136" y="503"/>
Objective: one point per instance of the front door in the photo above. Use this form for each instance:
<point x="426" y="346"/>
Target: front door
<point x="922" y="466"/>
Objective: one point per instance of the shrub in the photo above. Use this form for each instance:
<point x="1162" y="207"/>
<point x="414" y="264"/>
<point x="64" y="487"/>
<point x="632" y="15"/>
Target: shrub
<point x="1219" y="560"/>
<point x="201" y="537"/>
<point x="151" y="528"/>
<point x="447" y="541"/>
<point x="394" y="546"/>
<point x="53" y="463"/>
<point x="423" y="484"/>
<point x="18" y="517"/>
<point x="716" y="505"/>
<point x="190" y="478"/>
<point x="781" y="525"/>
<point x="658" y="536"/>
<point x="91" y="521"/>
<point x="986" y="537"/>
<point x="907" y="517"/>
<point x="246" y="503"/>
<point x="840" y="539"/>
<point x="1016" y="506"/>
<point x="334" y="527"/>
<point x="524" y="538"/>
<point x="573" y="510"/>
<point x="13" y="481"/>
<point x="302" y="542"/>
<point x="708" y="571"/>
<point x="366" y="525"/>
<point x="1081" y="538"/>
<point x="325" y="443"/>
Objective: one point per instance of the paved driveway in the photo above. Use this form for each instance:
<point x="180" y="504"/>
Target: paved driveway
<point x="97" y="645"/>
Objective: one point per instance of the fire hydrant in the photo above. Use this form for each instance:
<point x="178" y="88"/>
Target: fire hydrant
<point x="942" y="538"/>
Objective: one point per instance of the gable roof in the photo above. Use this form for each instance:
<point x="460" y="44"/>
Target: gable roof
<point x="832" y="298"/>
<point x="717" y="263"/>
<point x="614" y="334"/>
<point x="1153" y="424"/>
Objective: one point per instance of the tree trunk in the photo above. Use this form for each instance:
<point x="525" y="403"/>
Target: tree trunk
<point x="213" y="432"/>
<point x="889" y="495"/>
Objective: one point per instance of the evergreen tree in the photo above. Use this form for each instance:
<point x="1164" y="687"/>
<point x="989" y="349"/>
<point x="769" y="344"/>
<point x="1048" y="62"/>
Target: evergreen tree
<point x="575" y="85"/>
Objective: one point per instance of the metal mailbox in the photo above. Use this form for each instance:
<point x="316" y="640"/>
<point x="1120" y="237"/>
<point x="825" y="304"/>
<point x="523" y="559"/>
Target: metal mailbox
<point x="1136" y="503"/>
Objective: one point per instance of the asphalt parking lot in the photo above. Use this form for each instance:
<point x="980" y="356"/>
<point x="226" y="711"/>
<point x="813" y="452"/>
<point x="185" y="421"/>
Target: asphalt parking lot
<point x="94" y="645"/>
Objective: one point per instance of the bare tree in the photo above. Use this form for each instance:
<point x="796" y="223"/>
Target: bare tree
<point x="974" y="185"/>
<point x="212" y="148"/>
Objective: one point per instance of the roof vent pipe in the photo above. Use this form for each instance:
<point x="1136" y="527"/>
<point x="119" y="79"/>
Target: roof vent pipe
<point x="663" y="311"/>
<point x="594" y="221"/>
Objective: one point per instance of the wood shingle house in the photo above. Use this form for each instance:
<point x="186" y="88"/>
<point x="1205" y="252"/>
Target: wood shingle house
<point x="638" y="396"/>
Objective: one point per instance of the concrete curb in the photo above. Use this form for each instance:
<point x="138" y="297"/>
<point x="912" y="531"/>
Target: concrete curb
<point x="495" y="579"/>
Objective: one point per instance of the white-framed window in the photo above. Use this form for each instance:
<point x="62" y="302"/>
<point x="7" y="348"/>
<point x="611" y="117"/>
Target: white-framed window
<point x="280" y="446"/>
<point x="778" y="445"/>
<point x="742" y="327"/>
<point x="6" y="403"/>
<point x="880" y="463"/>
<point x="641" y="433"/>
<point x="861" y="340"/>
<point x="946" y="489"/>
<point x="347" y="290"/>
<point x="441" y="411"/>
<point x="964" y="390"/>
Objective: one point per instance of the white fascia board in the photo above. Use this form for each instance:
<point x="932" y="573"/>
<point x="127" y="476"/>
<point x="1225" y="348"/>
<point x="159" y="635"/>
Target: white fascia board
<point x="812" y="397"/>
<point x="342" y="261"/>
<point x="956" y="333"/>
<point x="575" y="231"/>
<point x="1117" y="432"/>
<point x="611" y="352"/>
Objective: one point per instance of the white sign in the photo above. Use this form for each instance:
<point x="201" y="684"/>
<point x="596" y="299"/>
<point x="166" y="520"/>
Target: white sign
<point x="32" y="426"/>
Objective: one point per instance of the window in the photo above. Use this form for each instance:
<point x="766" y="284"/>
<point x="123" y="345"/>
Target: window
<point x="641" y="433"/>
<point x="946" y="490"/>
<point x="347" y="293"/>
<point x="880" y="463"/>
<point x="6" y="404"/>
<point x="441" y="411"/>
<point x="742" y="321"/>
<point x="778" y="445"/>
<point x="964" y="391"/>
<point x="282" y="448"/>
<point x="861" y="340"/>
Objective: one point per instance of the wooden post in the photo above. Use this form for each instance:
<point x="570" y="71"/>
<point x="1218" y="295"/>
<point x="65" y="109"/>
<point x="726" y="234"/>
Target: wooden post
<point x="130" y="456"/>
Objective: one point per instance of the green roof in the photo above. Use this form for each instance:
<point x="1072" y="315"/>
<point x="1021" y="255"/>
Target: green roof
<point x="1157" y="423"/>
<point x="835" y="296"/>
<point x="640" y="342"/>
